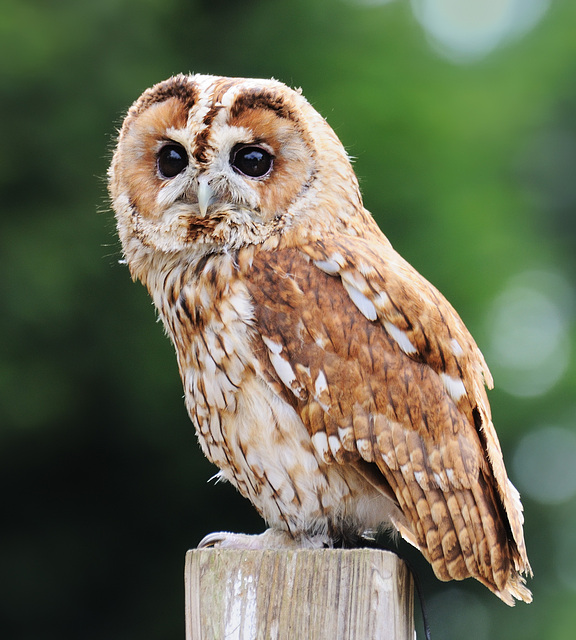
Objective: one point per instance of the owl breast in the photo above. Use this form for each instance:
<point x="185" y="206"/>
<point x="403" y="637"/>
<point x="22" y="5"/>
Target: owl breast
<point x="254" y="436"/>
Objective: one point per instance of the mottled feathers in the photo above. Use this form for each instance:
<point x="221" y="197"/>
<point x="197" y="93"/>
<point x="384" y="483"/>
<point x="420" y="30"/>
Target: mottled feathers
<point x="334" y="386"/>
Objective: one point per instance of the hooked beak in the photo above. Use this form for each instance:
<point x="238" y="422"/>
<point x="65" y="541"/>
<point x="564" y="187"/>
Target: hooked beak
<point x="205" y="195"/>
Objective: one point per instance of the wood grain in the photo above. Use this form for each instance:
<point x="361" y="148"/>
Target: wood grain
<point x="360" y="594"/>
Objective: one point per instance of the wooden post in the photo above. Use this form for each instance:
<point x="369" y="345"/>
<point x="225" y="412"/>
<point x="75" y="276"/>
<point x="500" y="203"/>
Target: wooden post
<point x="325" y="594"/>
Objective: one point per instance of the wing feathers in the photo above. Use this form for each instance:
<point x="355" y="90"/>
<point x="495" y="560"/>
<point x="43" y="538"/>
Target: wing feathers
<point x="380" y="368"/>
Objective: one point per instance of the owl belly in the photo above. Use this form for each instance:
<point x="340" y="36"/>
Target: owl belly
<point x="247" y="429"/>
<point x="263" y="448"/>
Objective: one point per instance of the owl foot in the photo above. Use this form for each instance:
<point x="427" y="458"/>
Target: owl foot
<point x="270" y="539"/>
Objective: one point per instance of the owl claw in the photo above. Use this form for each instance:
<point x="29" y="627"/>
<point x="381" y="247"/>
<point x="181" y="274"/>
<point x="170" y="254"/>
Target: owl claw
<point x="215" y="539"/>
<point x="270" y="539"/>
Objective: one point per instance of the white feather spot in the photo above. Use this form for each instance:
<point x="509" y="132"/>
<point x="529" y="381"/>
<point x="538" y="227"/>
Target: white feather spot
<point x="365" y="449"/>
<point x="337" y="257"/>
<point x="346" y="437"/>
<point x="454" y="386"/>
<point x="387" y="460"/>
<point x="366" y="269"/>
<point x="440" y="481"/>
<point x="320" y="385"/>
<point x="421" y="479"/>
<point x="328" y="266"/>
<point x="456" y="347"/>
<point x="335" y="445"/>
<point x="275" y="347"/>
<point x="365" y="305"/>
<point x="344" y="433"/>
<point x="320" y="442"/>
<point x="401" y="338"/>
<point x="283" y="369"/>
<point x="382" y="300"/>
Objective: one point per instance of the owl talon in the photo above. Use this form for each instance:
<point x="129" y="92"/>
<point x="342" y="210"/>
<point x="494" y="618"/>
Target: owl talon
<point x="215" y="539"/>
<point x="270" y="539"/>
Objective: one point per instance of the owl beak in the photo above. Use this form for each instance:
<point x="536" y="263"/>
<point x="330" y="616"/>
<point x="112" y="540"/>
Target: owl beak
<point x="205" y="195"/>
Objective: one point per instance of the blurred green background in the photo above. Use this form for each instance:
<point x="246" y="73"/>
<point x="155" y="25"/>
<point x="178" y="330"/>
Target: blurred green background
<point x="462" y="120"/>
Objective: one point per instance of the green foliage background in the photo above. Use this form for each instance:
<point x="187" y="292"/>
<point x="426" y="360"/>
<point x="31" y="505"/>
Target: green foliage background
<point x="103" y="485"/>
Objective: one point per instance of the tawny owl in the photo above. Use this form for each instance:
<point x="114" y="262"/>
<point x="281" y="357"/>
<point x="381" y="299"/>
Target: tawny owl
<point x="332" y="384"/>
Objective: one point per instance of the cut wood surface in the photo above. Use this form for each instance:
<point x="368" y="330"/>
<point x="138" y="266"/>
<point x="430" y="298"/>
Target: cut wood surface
<point x="333" y="594"/>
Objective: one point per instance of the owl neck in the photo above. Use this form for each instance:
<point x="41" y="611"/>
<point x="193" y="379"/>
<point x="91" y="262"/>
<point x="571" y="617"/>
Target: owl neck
<point x="200" y="297"/>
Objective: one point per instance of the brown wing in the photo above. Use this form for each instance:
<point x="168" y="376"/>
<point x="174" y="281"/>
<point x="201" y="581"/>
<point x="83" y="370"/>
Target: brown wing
<point x="378" y="364"/>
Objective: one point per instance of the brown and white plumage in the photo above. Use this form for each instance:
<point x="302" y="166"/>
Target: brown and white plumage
<point x="334" y="386"/>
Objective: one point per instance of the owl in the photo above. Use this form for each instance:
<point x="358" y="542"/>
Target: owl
<point x="332" y="385"/>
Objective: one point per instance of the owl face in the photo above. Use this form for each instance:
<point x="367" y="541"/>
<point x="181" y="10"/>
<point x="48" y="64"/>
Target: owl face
<point x="218" y="162"/>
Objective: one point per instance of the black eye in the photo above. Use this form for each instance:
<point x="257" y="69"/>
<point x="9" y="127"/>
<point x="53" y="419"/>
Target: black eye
<point x="251" y="161"/>
<point x="172" y="160"/>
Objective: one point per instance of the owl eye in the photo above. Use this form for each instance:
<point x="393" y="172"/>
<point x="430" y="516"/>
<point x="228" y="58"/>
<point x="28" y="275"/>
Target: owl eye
<point x="251" y="161"/>
<point x="172" y="160"/>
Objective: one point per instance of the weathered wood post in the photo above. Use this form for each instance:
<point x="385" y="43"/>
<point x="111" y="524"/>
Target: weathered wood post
<point x="359" y="594"/>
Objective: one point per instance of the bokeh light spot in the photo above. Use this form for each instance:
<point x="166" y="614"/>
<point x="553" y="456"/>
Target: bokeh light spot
<point x="371" y="3"/>
<point x="544" y="465"/>
<point x="529" y="343"/>
<point x="468" y="30"/>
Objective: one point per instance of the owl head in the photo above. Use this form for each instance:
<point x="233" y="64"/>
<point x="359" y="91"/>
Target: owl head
<point x="207" y="163"/>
